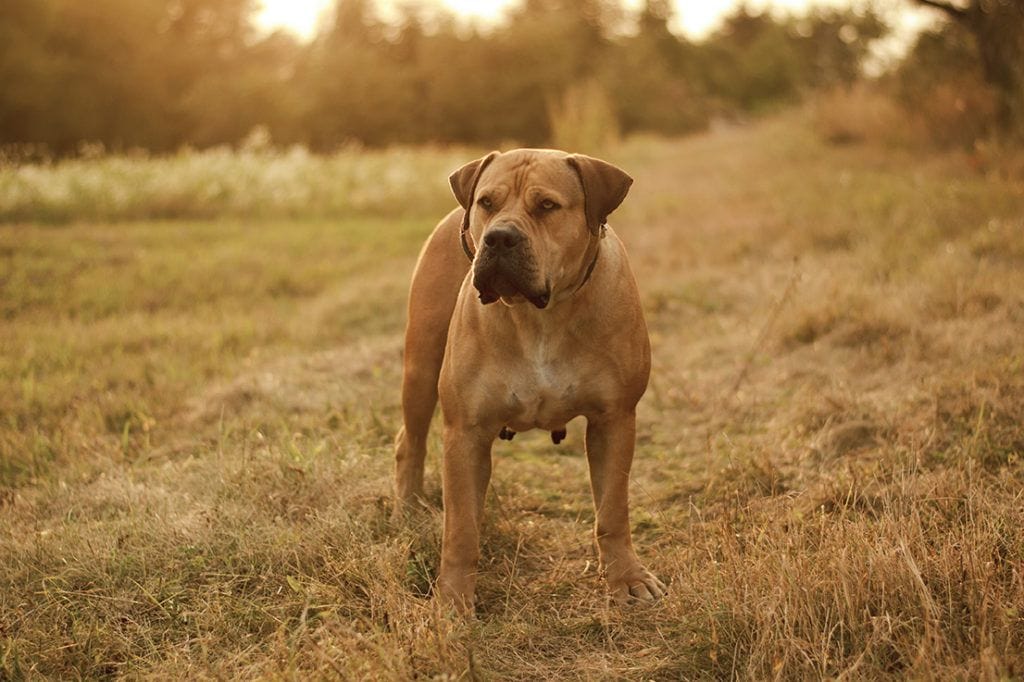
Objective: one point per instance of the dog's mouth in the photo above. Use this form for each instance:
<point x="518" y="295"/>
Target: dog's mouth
<point x="494" y="280"/>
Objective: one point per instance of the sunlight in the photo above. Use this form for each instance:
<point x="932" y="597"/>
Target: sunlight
<point x="484" y="9"/>
<point x="298" y="16"/>
<point x="693" y="19"/>
<point x="301" y="16"/>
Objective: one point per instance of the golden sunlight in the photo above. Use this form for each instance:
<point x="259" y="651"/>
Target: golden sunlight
<point x="485" y="9"/>
<point x="694" y="19"/>
<point x="301" y="16"/>
<point x="298" y="16"/>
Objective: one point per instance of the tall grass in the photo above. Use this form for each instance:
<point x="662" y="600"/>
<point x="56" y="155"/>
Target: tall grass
<point x="225" y="183"/>
<point x="583" y="119"/>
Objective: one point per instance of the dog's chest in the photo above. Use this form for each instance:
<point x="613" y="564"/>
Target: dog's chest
<point x="544" y="390"/>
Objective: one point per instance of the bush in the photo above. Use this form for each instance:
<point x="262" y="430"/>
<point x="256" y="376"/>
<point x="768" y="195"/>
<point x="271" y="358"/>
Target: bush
<point x="956" y="113"/>
<point x="860" y="113"/>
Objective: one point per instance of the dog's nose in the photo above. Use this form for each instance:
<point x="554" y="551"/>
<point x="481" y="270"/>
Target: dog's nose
<point x="503" y="237"/>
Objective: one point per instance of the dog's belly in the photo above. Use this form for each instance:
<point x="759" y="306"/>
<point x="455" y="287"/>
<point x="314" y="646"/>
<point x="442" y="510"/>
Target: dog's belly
<point x="539" y="412"/>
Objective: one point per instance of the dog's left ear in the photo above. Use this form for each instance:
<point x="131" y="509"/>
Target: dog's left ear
<point x="604" y="188"/>
<point x="463" y="181"/>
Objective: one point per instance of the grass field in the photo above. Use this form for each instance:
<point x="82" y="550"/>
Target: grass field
<point x="197" y="417"/>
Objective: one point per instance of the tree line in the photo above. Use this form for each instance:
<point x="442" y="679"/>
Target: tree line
<point x="160" y="74"/>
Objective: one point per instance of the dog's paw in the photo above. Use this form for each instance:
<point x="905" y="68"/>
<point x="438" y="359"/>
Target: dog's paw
<point x="638" y="585"/>
<point x="457" y="595"/>
<point x="405" y="510"/>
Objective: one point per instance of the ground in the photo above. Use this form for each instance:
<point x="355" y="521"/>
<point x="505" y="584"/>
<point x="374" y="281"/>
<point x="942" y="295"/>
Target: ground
<point x="197" y="417"/>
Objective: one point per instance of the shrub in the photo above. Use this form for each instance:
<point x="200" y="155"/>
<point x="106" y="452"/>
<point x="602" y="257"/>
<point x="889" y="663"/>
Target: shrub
<point x="860" y="113"/>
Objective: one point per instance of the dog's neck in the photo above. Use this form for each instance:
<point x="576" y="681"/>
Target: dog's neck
<point x="594" y="253"/>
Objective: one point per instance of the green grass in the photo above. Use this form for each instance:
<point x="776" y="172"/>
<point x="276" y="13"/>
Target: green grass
<point x="197" y="419"/>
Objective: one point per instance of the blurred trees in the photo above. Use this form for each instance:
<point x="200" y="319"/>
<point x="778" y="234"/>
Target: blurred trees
<point x="755" y="60"/>
<point x="997" y="30"/>
<point x="942" y="87"/>
<point x="159" y="74"/>
<point x="137" y="73"/>
<point x="655" y="77"/>
<point x="63" y="83"/>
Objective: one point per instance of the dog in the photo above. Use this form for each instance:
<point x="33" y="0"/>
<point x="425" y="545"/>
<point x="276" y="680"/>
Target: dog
<point x="524" y="314"/>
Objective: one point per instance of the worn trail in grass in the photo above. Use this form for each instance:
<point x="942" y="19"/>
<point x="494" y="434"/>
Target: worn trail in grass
<point x="198" y="417"/>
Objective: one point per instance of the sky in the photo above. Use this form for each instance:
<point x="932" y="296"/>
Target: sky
<point x="694" y="18"/>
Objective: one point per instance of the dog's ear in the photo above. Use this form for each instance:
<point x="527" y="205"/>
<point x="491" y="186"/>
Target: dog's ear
<point x="604" y="188"/>
<point x="463" y="181"/>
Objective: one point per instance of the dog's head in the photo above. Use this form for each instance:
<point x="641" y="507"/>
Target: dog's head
<point x="533" y="215"/>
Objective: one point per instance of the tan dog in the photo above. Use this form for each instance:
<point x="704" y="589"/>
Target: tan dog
<point x="568" y="338"/>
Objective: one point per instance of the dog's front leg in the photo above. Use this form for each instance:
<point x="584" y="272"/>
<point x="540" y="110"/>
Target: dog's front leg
<point x="466" y="473"/>
<point x="610" y="442"/>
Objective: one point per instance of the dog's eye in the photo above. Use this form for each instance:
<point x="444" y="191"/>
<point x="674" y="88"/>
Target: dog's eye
<point x="548" y="205"/>
<point x="485" y="203"/>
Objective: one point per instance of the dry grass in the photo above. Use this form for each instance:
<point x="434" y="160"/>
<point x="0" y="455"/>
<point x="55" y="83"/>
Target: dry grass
<point x="197" y="426"/>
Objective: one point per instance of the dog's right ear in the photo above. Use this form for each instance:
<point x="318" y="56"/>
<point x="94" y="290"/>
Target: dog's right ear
<point x="463" y="181"/>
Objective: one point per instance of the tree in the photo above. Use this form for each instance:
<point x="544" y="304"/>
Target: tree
<point x="206" y="55"/>
<point x="998" y="30"/>
<point x="652" y="78"/>
<point x="752" y="61"/>
<point x="75" y="71"/>
<point x="834" y="42"/>
<point x="27" y="70"/>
